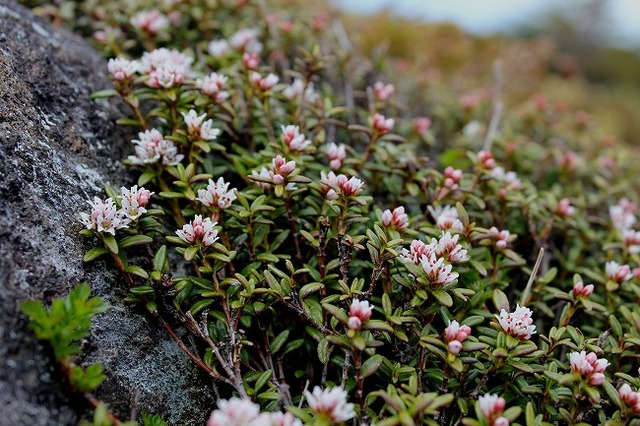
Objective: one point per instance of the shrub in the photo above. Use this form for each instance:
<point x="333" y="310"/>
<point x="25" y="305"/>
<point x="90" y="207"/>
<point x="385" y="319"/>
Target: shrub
<point x="341" y="258"/>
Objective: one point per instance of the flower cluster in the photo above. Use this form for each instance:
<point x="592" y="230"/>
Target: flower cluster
<point x="199" y="230"/>
<point x="517" y="323"/>
<point x="452" y="178"/>
<point x="359" y="313"/>
<point x="618" y="273"/>
<point x="152" y="147"/>
<point x="383" y="91"/>
<point x="579" y="289"/>
<point x="217" y="194"/>
<point x="501" y="237"/>
<point x="437" y="271"/>
<point x="105" y="215"/>
<point x="397" y="219"/>
<point x="293" y="139"/>
<point x="454" y="335"/>
<point x="263" y="84"/>
<point x="485" y="160"/>
<point x="211" y="85"/>
<point x="589" y="366"/>
<point x="382" y="125"/>
<point x="492" y="406"/>
<point x="150" y="21"/>
<point x="122" y="69"/>
<point x="330" y="404"/>
<point x="622" y="214"/>
<point x="198" y="127"/>
<point x="630" y="397"/>
<point x="276" y="175"/>
<point x="336" y="154"/>
<point x="243" y="412"/>
<point x="298" y="91"/>
<point x="446" y="218"/>
<point x="335" y="185"/>
<point x="165" y="68"/>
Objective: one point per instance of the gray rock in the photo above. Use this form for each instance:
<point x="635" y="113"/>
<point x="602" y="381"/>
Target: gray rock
<point x="57" y="149"/>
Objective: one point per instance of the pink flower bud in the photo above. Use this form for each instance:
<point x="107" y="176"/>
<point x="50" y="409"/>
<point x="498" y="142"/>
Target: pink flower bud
<point x="381" y="124"/>
<point x="454" y="347"/>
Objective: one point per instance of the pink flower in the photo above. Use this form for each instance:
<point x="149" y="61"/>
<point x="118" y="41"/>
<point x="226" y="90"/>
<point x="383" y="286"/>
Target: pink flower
<point x="383" y="91"/>
<point x="293" y="139"/>
<point x="336" y="154"/>
<point x="486" y="161"/>
<point x="397" y="219"/>
<point x="417" y="251"/>
<point x="492" y="407"/>
<point x="452" y="177"/>
<point x="446" y="218"/>
<point x="359" y="313"/>
<point x="449" y="248"/>
<point x="618" y="273"/>
<point x="589" y="366"/>
<point x="104" y="217"/>
<point x="631" y="239"/>
<point x="437" y="271"/>
<point x="263" y="83"/>
<point x="454" y="335"/>
<point x="382" y="125"/>
<point x="501" y="237"/>
<point x="133" y="201"/>
<point x="349" y="186"/>
<point x="565" y="209"/>
<point x="199" y="230"/>
<point x="579" y="289"/>
<point x="122" y="69"/>
<point x="150" y="21"/>
<point x="235" y="412"/>
<point x="630" y="397"/>
<point x="198" y="127"/>
<point x="217" y="194"/>
<point x="422" y="125"/>
<point x="218" y="48"/>
<point x="518" y="323"/>
<point x="330" y="404"/>
<point x="280" y="166"/>
<point x="211" y="86"/>
<point x="166" y="77"/>
<point x="250" y="60"/>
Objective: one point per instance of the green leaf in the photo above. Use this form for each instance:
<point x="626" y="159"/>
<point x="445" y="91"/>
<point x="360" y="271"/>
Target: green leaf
<point x="278" y="341"/>
<point x="110" y="243"/>
<point x="160" y="259"/>
<point x="371" y="365"/>
<point x="190" y="253"/>
<point x="612" y="393"/>
<point x="323" y="351"/>
<point x="200" y="305"/>
<point x="103" y="94"/>
<point x="443" y="297"/>
<point x="152" y="420"/>
<point x="136" y="270"/>
<point x="500" y="300"/>
<point x="310" y="288"/>
<point x="262" y="380"/>
<point x="338" y="313"/>
<point x="94" y="253"/>
<point x="135" y="240"/>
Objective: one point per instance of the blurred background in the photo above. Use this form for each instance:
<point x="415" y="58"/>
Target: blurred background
<point x="585" y="53"/>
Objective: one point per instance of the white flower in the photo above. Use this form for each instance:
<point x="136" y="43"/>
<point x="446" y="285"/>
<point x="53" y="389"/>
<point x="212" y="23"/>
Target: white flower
<point x="166" y="76"/>
<point x="509" y="178"/>
<point x="122" y="69"/>
<point x="196" y="126"/>
<point x="217" y="194"/>
<point x="492" y="407"/>
<point x="199" y="230"/>
<point x="104" y="216"/>
<point x="262" y="174"/>
<point x="618" y="273"/>
<point x="295" y="140"/>
<point x="152" y="147"/>
<point x="417" y="251"/>
<point x="263" y="83"/>
<point x="134" y="200"/>
<point x="235" y="412"/>
<point x="622" y="214"/>
<point x="437" y="271"/>
<point x="165" y="58"/>
<point x="246" y="40"/>
<point x="151" y="21"/>
<point x="449" y="248"/>
<point x="446" y="218"/>
<point x="518" y="323"/>
<point x="218" y="48"/>
<point x="211" y="86"/>
<point x="330" y="403"/>
<point x="297" y="89"/>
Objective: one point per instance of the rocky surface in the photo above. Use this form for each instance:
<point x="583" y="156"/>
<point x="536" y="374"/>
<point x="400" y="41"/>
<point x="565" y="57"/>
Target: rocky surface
<point x="57" y="149"/>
